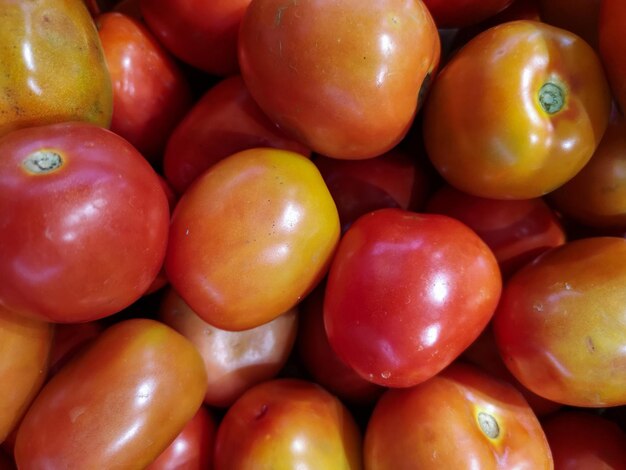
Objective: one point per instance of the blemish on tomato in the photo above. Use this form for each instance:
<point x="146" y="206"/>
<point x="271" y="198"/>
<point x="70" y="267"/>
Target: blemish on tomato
<point x="43" y="161"/>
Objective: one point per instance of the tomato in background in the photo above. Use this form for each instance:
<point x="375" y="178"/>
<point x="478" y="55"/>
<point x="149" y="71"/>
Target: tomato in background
<point x="516" y="230"/>
<point x="224" y="121"/>
<point x="527" y="104"/>
<point x="462" y="418"/>
<point x="407" y="293"/>
<point x="612" y="46"/>
<point x="118" y="405"/>
<point x="85" y="222"/>
<point x="561" y="323"/>
<point x="344" y="78"/>
<point x="71" y="339"/>
<point x="285" y="424"/>
<point x="461" y="13"/>
<point x="578" y="16"/>
<point x="150" y="93"/>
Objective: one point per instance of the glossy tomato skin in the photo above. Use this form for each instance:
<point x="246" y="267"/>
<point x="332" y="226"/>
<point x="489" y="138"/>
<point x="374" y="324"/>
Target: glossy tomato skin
<point x="25" y="350"/>
<point x="579" y="439"/>
<point x="285" y="424"/>
<point x="560" y="324"/>
<point x="224" y="121"/>
<point x="461" y="13"/>
<point x="355" y="91"/>
<point x="499" y="98"/>
<point x="85" y="222"/>
<point x="118" y="405"/>
<point x="407" y="293"/>
<point x="251" y="237"/>
<point x="150" y="92"/>
<point x="437" y="424"/>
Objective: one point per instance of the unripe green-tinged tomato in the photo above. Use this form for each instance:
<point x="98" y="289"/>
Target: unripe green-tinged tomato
<point x="53" y="68"/>
<point x="118" y="405"/>
<point x="517" y="112"/>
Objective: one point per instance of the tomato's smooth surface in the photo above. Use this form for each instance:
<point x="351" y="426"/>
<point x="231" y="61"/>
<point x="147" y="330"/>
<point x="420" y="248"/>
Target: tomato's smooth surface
<point x="407" y="293"/>
<point x="344" y="77"/>
<point x="461" y="13"/>
<point x="150" y="92"/>
<point x="561" y="323"/>
<point x="462" y="418"/>
<point x="119" y="405"/>
<point x="84" y="222"/>
<point x="517" y="112"/>
<point x="53" y="68"/>
<point x="25" y="349"/>
<point x="234" y="360"/>
<point x="251" y="237"/>
<point x="612" y="46"/>
<point x="285" y="424"/>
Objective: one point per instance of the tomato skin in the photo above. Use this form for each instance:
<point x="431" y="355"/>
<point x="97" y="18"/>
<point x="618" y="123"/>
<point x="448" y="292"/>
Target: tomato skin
<point x="461" y="13"/>
<point x="309" y="428"/>
<point x="251" y="237"/>
<point x="560" y="324"/>
<point x="355" y="92"/>
<point x="505" y="145"/>
<point x="119" y="405"/>
<point x="86" y="239"/>
<point x="578" y="16"/>
<point x="224" y="121"/>
<point x="407" y="293"/>
<point x="612" y="46"/>
<point x="435" y="425"/>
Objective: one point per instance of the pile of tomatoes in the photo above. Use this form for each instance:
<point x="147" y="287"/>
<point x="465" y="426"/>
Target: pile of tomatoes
<point x="312" y="234"/>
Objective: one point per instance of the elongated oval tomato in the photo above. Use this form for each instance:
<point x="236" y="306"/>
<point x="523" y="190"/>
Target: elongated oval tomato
<point x="119" y="405"/>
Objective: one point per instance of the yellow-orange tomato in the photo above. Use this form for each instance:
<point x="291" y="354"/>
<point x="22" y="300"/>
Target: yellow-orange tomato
<point x="517" y="112"/>
<point x="53" y="67"/>
<point x="251" y="237"/>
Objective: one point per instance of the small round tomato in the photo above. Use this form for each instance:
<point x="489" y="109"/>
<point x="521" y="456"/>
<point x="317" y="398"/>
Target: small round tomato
<point x="251" y="237"/>
<point x="612" y="46"/>
<point x="344" y="78"/>
<point x="561" y="323"/>
<point x="517" y="112"/>
<point x="460" y="13"/>
<point x="407" y="293"/>
<point x="463" y="419"/>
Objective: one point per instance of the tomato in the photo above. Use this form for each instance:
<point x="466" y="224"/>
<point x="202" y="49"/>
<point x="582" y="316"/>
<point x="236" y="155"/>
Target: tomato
<point x="24" y="348"/>
<point x="71" y="339"/>
<point x="516" y="230"/>
<point x="578" y="16"/>
<point x="527" y="104"/>
<point x="561" y="324"/>
<point x="461" y="13"/>
<point x="462" y="418"/>
<point x="85" y="222"/>
<point x="286" y="424"/>
<point x="200" y="33"/>
<point x="344" y="78"/>
<point x="225" y="120"/>
<point x="612" y="46"/>
<point x="53" y="66"/>
<point x="150" y="92"/>
<point x="234" y="360"/>
<point x="407" y="293"/>
<point x="118" y="405"/>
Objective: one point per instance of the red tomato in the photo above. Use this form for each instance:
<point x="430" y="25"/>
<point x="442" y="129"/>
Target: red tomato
<point x="234" y="360"/>
<point x="118" y="405"/>
<point x="71" y="339"/>
<point x="582" y="440"/>
<point x="199" y="32"/>
<point x="516" y="230"/>
<point x="578" y="16"/>
<point x="226" y="120"/>
<point x="286" y="424"/>
<point x="150" y="93"/>
<point x="407" y="293"/>
<point x="561" y="323"/>
<point x="84" y="219"/>
<point x="612" y="46"/>
<point x="251" y="238"/>
<point x="345" y="78"/>
<point x="463" y="419"/>
<point x="517" y="112"/>
<point x="460" y="13"/>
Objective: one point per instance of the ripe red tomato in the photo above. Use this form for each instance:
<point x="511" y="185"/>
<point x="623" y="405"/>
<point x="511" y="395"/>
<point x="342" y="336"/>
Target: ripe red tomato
<point x="345" y="78"/>
<point x="407" y="293"/>
<point x="461" y="13"/>
<point x="560" y="325"/>
<point x="84" y="222"/>
<point x="251" y="237"/>
<point x="119" y="405"/>
<point x="286" y="424"/>
<point x="463" y="419"/>
<point x="517" y="112"/>
<point x="612" y="46"/>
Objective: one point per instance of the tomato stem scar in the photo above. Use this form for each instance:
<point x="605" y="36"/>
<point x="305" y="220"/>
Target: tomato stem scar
<point x="488" y="425"/>
<point x="551" y="98"/>
<point x="42" y="161"/>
